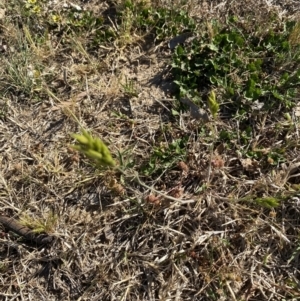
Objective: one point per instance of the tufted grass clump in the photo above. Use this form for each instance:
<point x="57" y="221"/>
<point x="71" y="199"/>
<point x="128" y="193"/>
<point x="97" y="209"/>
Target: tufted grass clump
<point x="40" y="225"/>
<point x="93" y="148"/>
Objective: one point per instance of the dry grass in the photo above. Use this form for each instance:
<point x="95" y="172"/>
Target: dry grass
<point x="114" y="238"/>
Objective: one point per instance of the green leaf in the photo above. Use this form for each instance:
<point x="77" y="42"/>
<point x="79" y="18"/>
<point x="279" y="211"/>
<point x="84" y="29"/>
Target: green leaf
<point x="212" y="47"/>
<point x="174" y="112"/>
<point x="179" y="50"/>
<point x="277" y="95"/>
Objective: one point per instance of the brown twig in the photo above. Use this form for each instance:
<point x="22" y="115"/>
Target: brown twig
<point x="13" y="225"/>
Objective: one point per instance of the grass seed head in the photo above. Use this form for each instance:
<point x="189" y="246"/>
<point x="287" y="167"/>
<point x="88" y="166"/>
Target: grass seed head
<point x="93" y="148"/>
<point x="213" y="104"/>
